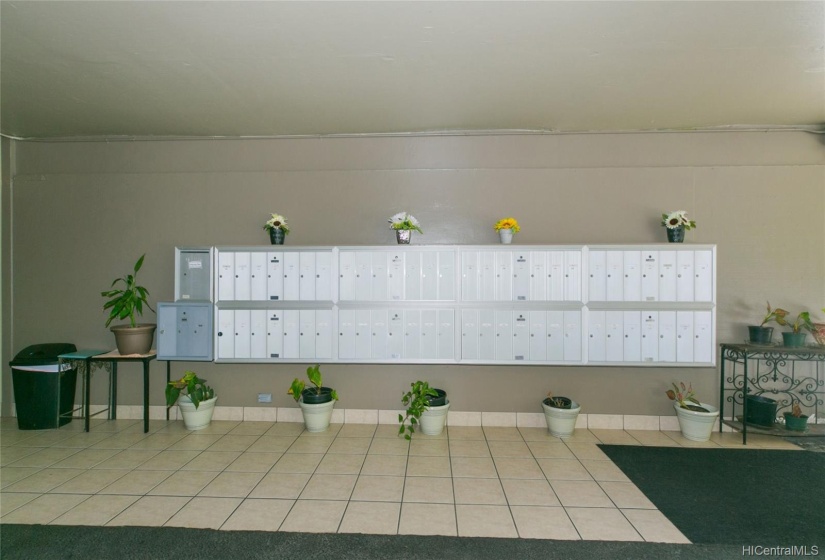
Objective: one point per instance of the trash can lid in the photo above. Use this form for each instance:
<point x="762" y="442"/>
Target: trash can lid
<point x="42" y="354"/>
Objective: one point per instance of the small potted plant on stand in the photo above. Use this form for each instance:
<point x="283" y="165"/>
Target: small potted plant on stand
<point x="316" y="402"/>
<point x="795" y="420"/>
<point x="761" y="334"/>
<point x="819" y="332"/>
<point x="197" y="405"/>
<point x="404" y="224"/>
<point x="427" y="407"/>
<point x="506" y="227"/>
<point x="561" y="414"/>
<point x="278" y="229"/>
<point x="696" y="418"/>
<point x="677" y="223"/>
<point x="796" y="338"/>
<point x="128" y="301"/>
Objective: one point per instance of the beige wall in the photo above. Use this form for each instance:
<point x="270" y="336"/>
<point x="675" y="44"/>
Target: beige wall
<point x="84" y="211"/>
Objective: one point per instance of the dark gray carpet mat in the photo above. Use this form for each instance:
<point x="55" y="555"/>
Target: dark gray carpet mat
<point x="744" y="497"/>
<point x="40" y="542"/>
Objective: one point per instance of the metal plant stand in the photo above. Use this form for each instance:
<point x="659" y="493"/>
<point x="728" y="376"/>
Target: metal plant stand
<point x="785" y="374"/>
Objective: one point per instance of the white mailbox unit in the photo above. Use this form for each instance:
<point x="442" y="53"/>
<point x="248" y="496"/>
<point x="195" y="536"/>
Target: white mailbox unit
<point x="504" y="304"/>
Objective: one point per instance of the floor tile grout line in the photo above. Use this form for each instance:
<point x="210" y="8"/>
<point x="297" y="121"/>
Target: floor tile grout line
<point x="357" y="476"/>
<point x="324" y="455"/>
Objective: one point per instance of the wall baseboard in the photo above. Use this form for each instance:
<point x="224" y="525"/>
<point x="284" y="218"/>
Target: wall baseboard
<point x="454" y="418"/>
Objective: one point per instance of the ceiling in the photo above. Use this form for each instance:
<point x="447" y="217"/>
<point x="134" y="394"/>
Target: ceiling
<point x="242" y="69"/>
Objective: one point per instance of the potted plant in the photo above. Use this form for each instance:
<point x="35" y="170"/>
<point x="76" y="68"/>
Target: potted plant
<point x="696" y="418"/>
<point x="796" y="337"/>
<point x="427" y="407"/>
<point x="404" y="224"/>
<point x="128" y="301"/>
<point x="795" y="420"/>
<point x="677" y="223"/>
<point x="506" y="227"/>
<point x="819" y="332"/>
<point x="761" y="334"/>
<point x="760" y="411"/>
<point x="561" y="414"/>
<point x="278" y="229"/>
<point x="316" y="402"/>
<point x="197" y="404"/>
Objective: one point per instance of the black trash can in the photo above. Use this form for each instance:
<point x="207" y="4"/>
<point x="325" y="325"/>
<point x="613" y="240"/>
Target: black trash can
<point x="43" y="394"/>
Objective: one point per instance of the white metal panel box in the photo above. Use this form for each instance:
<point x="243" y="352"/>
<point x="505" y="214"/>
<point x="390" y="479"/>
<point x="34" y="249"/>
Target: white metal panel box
<point x="185" y="331"/>
<point x="193" y="274"/>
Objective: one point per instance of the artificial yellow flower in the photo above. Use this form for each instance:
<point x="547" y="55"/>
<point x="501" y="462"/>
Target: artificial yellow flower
<point x="507" y="223"/>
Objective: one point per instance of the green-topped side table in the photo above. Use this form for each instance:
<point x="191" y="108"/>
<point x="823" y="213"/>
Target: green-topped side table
<point x="114" y="358"/>
<point x="84" y="358"/>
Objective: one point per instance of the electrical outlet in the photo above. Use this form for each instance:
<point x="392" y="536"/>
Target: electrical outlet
<point x="264" y="397"/>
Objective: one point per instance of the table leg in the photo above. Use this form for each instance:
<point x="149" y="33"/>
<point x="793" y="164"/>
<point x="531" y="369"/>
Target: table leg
<point x="113" y="394"/>
<point x="722" y="390"/>
<point x="167" y="384"/>
<point x="87" y="392"/>
<point x="145" y="396"/>
<point x="745" y="402"/>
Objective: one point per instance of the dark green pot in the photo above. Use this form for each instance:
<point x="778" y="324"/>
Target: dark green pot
<point x="760" y="335"/>
<point x="277" y="236"/>
<point x="439" y="400"/>
<point x="565" y="402"/>
<point x="313" y="396"/>
<point x="794" y="340"/>
<point x="795" y="424"/>
<point x="676" y="235"/>
<point x="761" y="411"/>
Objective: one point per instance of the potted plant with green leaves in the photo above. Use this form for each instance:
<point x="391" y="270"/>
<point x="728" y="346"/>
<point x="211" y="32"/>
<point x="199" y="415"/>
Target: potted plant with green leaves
<point x="795" y="420"/>
<point x="197" y="403"/>
<point x="561" y="414"/>
<point x="404" y="224"/>
<point x="316" y="402"/>
<point x="696" y="418"/>
<point x="427" y="408"/>
<point x="126" y="300"/>
<point x="760" y="334"/>
<point x="796" y="337"/>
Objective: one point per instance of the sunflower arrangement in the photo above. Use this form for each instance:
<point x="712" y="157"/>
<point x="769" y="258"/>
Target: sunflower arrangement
<point x="677" y="219"/>
<point x="507" y="223"/>
<point x="277" y="222"/>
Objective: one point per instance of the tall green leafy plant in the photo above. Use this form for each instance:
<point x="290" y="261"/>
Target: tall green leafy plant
<point x="417" y="402"/>
<point x="126" y="300"/>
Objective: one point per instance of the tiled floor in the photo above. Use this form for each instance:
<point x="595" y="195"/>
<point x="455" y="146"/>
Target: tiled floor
<point x="355" y="478"/>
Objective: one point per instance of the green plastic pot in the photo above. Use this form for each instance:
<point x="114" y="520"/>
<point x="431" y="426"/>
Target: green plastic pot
<point x="796" y="424"/>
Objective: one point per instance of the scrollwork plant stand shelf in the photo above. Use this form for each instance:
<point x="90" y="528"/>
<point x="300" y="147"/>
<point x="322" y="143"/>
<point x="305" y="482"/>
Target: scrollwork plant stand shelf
<point x="785" y="374"/>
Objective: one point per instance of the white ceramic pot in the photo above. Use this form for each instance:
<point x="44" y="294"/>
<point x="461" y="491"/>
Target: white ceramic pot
<point x="506" y="236"/>
<point x="317" y="416"/>
<point x="696" y="426"/>
<point x="561" y="421"/>
<point x="434" y="419"/>
<point x="196" y="418"/>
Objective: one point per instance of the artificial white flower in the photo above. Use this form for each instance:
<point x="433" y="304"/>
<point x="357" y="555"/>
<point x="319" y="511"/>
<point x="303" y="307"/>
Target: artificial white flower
<point x="277" y="222"/>
<point x="403" y="220"/>
<point x="677" y="219"/>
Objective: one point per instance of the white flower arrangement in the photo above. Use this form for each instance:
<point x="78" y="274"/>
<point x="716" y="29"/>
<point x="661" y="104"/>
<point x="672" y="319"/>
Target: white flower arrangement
<point x="403" y="220"/>
<point x="277" y="222"/>
<point x="676" y="219"/>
